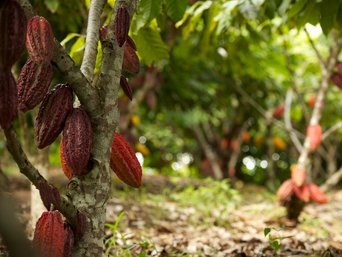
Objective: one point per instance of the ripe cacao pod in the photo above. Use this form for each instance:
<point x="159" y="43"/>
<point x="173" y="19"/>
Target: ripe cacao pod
<point x="49" y="195"/>
<point x="39" y="39"/>
<point x="303" y="192"/>
<point x="278" y="143"/>
<point x="8" y="99"/>
<point x="314" y="134"/>
<point x="52" y="115"/>
<point x="126" y="87"/>
<point x="339" y="67"/>
<point x="316" y="194"/>
<point x="130" y="61"/>
<point x="52" y="236"/>
<point x="336" y="78"/>
<point x="124" y="162"/>
<point x="278" y="112"/>
<point x="121" y="25"/>
<point x="81" y="226"/>
<point x="77" y="140"/>
<point x="285" y="190"/>
<point x="33" y="84"/>
<point x="12" y="30"/>
<point x="311" y="101"/>
<point x="66" y="169"/>
<point x="298" y="175"/>
<point x="131" y="43"/>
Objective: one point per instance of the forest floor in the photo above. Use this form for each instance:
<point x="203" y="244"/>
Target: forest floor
<point x="211" y="220"/>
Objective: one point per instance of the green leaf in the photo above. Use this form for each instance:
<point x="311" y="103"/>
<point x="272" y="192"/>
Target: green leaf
<point x="328" y="15"/>
<point x="69" y="37"/>
<point x="267" y="231"/>
<point x="76" y="51"/>
<point x="297" y="7"/>
<point x="175" y="9"/>
<point x="311" y="14"/>
<point x="148" y="10"/>
<point x="275" y="244"/>
<point x="150" y="46"/>
<point x="52" y="5"/>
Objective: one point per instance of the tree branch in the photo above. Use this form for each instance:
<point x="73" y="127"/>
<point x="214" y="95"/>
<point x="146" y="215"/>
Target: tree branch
<point x="92" y="38"/>
<point x="331" y="130"/>
<point x="313" y="45"/>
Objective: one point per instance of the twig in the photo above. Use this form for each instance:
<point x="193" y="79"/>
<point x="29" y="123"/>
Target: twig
<point x="331" y="130"/>
<point x="332" y="180"/>
<point x="287" y="121"/>
<point x="92" y="38"/>
<point x="313" y="45"/>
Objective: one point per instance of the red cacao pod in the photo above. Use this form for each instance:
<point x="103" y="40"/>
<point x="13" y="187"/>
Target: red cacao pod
<point x="77" y="140"/>
<point x="336" y="78"/>
<point x="121" y="25"/>
<point x="298" y="175"/>
<point x="81" y="226"/>
<point x="66" y="169"/>
<point x="311" y="101"/>
<point x="39" y="39"/>
<point x="126" y="87"/>
<point x="303" y="192"/>
<point x="131" y="43"/>
<point x="33" y="84"/>
<point x="52" y="115"/>
<point x="12" y="30"/>
<point x="339" y="67"/>
<point x="314" y="134"/>
<point x="130" y="61"/>
<point x="278" y="112"/>
<point x="316" y="194"/>
<point x="8" y="99"/>
<point x="49" y="195"/>
<point x="285" y="190"/>
<point x="124" y="162"/>
<point x="52" y="236"/>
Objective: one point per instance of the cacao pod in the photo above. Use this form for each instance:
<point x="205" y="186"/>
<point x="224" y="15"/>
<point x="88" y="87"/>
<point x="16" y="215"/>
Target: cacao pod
<point x="121" y="25"/>
<point x="8" y="99"/>
<point x="52" y="236"/>
<point x="49" y="195"/>
<point x="339" y="67"/>
<point x="130" y="61"/>
<point x="278" y="143"/>
<point x="81" y="226"/>
<point x="52" y="115"/>
<point x="278" y="112"/>
<point x="336" y="78"/>
<point x="303" y="192"/>
<point x="131" y="43"/>
<point x="285" y="190"/>
<point x="314" y="134"/>
<point x="126" y="87"/>
<point x="39" y="39"/>
<point x="33" y="84"/>
<point x="12" y="30"/>
<point x="311" y="101"/>
<point x="77" y="140"/>
<point x="316" y="194"/>
<point x="66" y="169"/>
<point x="124" y="162"/>
<point x="298" y="175"/>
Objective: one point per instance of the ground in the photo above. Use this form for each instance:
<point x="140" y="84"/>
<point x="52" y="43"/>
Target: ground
<point x="211" y="220"/>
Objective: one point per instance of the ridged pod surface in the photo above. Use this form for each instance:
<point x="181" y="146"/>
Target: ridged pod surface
<point x="49" y="195"/>
<point x="314" y="133"/>
<point x="52" y="236"/>
<point x="52" y="114"/>
<point x="126" y="87"/>
<point x="130" y="61"/>
<point x="121" y="25"/>
<point x="39" y="39"/>
<point x="124" y="162"/>
<point x="33" y="84"/>
<point x="12" y="30"/>
<point x="77" y="140"/>
<point x="8" y="99"/>
<point x="285" y="190"/>
<point x="66" y="169"/>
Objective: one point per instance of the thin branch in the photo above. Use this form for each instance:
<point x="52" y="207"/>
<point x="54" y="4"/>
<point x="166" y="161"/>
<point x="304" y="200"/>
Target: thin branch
<point x="287" y="120"/>
<point x="92" y="38"/>
<point x="27" y="169"/>
<point x="313" y="45"/>
<point x="332" y="180"/>
<point x="331" y="130"/>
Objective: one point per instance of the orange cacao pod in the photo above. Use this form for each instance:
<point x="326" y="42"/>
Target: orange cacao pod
<point x="52" y="115"/>
<point x="124" y="162"/>
<point x="121" y="25"/>
<point x="77" y="141"/>
<point x="8" y="99"/>
<point x="336" y="78"/>
<point x="311" y="101"/>
<point x="12" y="30"/>
<point x="298" y="175"/>
<point x="303" y="192"/>
<point x="285" y="190"/>
<point x="33" y="84"/>
<point x="130" y="61"/>
<point x="316" y="194"/>
<point x="278" y="112"/>
<point x="314" y="133"/>
<point x="126" y="87"/>
<point x="52" y="236"/>
<point x="39" y="39"/>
